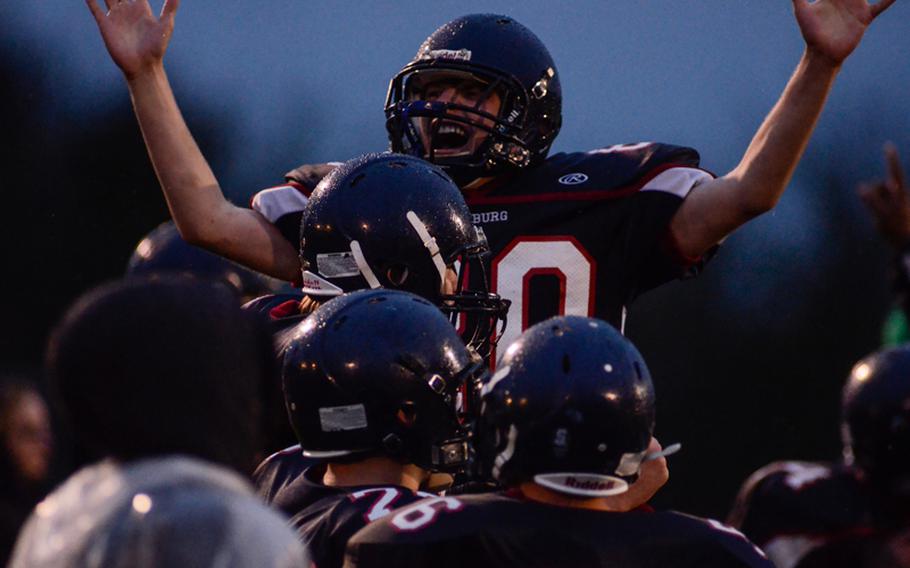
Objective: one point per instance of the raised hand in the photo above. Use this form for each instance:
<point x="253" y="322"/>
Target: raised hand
<point x="889" y="202"/>
<point x="134" y="37"/>
<point x="833" y="28"/>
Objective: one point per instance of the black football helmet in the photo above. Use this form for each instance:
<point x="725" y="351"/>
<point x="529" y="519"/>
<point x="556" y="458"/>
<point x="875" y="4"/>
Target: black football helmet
<point x="508" y="59"/>
<point x="380" y="372"/>
<point x="396" y="221"/>
<point x="570" y="407"/>
<point x="875" y="415"/>
<point x="163" y="251"/>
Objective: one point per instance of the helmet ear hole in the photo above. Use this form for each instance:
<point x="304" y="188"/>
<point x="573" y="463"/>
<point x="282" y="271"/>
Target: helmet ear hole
<point x="407" y="414"/>
<point x="397" y="274"/>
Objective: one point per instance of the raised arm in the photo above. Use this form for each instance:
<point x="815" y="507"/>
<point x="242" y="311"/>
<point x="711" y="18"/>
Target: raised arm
<point x="137" y="40"/>
<point x="889" y="202"/>
<point x="832" y="29"/>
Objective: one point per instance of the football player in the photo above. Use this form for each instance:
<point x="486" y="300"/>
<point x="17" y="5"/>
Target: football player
<point x="565" y="425"/>
<point x="579" y="233"/>
<point x="392" y="221"/>
<point x="849" y="513"/>
<point x="375" y="385"/>
<point x="159" y="379"/>
<point x="385" y="220"/>
<point x="163" y="251"/>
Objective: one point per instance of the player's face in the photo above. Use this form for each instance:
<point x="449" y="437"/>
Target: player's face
<point x="30" y="439"/>
<point x="454" y="138"/>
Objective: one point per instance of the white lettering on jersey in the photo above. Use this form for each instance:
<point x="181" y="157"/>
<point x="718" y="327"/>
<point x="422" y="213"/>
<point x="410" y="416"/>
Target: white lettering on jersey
<point x="385" y="497"/>
<point x="526" y="257"/>
<point x="423" y="513"/>
<point x="490" y="217"/>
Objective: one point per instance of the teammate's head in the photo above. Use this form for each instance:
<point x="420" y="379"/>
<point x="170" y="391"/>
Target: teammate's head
<point x="398" y="222"/>
<point x="164" y="366"/>
<point x="380" y="372"/>
<point x="876" y="418"/>
<point x="164" y="252"/>
<point x="481" y="96"/>
<point x="570" y="408"/>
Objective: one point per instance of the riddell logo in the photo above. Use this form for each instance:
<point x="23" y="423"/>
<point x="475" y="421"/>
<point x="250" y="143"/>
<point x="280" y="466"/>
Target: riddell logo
<point x="456" y="54"/>
<point x="312" y="283"/>
<point x="315" y="284"/>
<point x="590" y="485"/>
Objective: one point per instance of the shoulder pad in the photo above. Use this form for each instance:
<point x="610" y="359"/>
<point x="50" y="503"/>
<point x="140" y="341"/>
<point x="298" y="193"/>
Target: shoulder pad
<point x="309" y="175"/>
<point x="612" y="172"/>
<point x="265" y="304"/>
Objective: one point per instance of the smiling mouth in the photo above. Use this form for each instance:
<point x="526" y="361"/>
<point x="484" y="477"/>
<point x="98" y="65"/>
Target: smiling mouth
<point x="450" y="136"/>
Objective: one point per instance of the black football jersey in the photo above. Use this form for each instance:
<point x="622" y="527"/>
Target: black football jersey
<point x="791" y="509"/>
<point x="505" y="530"/>
<point x="277" y="471"/>
<point x="326" y="517"/>
<point x="581" y="234"/>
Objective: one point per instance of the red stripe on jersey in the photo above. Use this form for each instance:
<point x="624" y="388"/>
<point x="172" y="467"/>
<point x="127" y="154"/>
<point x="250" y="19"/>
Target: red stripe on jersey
<point x="593" y="195"/>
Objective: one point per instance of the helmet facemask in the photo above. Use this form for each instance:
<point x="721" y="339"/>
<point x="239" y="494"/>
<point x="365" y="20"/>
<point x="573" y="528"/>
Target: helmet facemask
<point x="466" y="140"/>
<point x="479" y="315"/>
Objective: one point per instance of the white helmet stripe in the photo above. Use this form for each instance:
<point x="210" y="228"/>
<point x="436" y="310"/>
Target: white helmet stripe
<point x="430" y="242"/>
<point x="363" y="266"/>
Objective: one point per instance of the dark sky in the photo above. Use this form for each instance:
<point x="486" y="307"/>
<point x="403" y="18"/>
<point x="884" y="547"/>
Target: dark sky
<point x="758" y="346"/>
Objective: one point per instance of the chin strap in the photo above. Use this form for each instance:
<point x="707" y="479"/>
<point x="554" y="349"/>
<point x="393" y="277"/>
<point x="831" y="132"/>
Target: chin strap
<point x="430" y="243"/>
<point x="363" y="266"/>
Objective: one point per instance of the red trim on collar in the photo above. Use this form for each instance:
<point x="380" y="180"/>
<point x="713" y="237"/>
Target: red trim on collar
<point x="285" y="309"/>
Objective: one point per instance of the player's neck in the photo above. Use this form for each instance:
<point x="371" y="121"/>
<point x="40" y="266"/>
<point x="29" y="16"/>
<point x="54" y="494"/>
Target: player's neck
<point x="374" y="471"/>
<point x="540" y="494"/>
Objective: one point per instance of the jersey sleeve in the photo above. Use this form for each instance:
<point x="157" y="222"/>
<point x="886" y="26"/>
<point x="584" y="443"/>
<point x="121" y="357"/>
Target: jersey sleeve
<point x="283" y="205"/>
<point x="652" y="211"/>
<point x="658" y="178"/>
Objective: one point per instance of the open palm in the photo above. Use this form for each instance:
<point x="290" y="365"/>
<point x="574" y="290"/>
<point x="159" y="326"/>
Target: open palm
<point x="835" y="27"/>
<point x="135" y="38"/>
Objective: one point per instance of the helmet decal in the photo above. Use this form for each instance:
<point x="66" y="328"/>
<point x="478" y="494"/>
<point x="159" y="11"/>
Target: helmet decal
<point x="583" y="484"/>
<point x="316" y="285"/>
